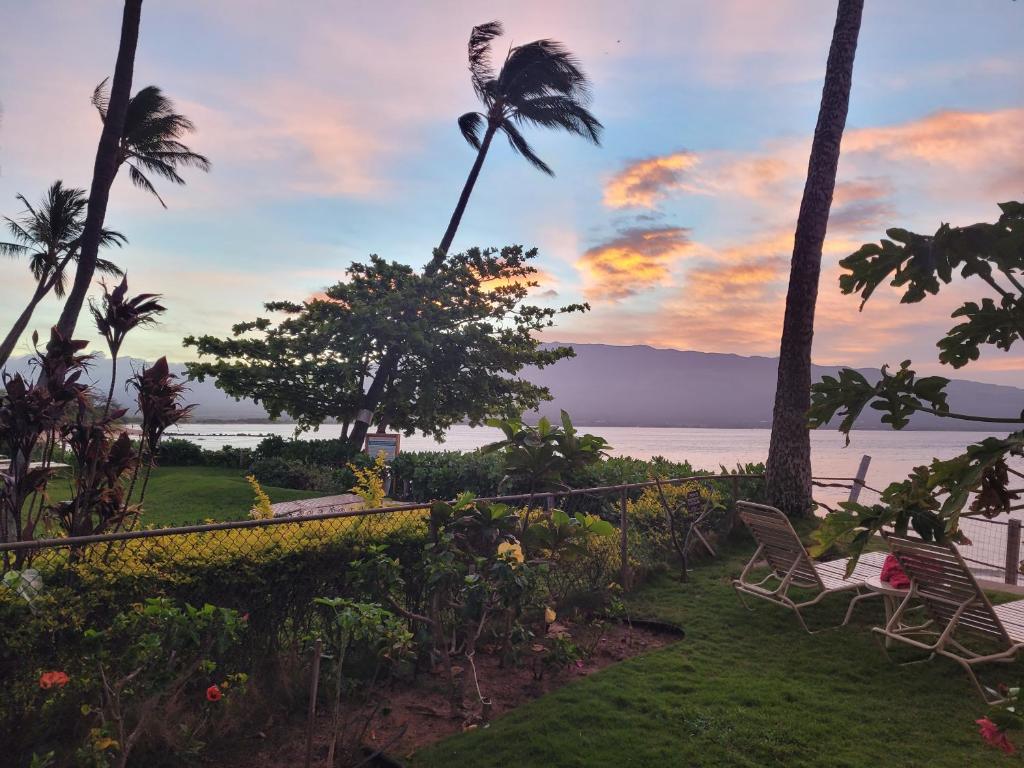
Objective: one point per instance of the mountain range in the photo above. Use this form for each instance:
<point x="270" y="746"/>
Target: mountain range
<point x="637" y="386"/>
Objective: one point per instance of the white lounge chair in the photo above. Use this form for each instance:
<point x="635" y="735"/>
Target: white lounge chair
<point x="959" y="610"/>
<point x="791" y="568"/>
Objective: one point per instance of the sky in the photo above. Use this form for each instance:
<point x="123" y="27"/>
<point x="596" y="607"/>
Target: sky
<point x="331" y="129"/>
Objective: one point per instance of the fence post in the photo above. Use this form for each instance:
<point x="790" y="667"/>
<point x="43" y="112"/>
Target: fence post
<point x="623" y="540"/>
<point x="1012" y="551"/>
<point x="858" y="481"/>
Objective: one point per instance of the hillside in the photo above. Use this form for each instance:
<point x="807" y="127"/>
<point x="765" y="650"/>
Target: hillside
<point x="642" y="386"/>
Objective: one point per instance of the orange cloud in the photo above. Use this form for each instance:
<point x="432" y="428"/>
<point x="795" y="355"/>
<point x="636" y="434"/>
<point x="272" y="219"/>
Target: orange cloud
<point x="636" y="260"/>
<point x="644" y="182"/>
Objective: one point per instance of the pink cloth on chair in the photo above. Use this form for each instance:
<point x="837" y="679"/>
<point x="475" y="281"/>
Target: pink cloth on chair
<point x="893" y="575"/>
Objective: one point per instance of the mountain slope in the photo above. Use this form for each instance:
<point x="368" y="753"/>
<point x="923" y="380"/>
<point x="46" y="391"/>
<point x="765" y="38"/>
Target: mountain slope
<point x="638" y="386"/>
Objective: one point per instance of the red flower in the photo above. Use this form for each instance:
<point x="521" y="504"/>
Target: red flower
<point x="50" y="679"/>
<point x="245" y="616"/>
<point x="213" y="693"/>
<point x="990" y="732"/>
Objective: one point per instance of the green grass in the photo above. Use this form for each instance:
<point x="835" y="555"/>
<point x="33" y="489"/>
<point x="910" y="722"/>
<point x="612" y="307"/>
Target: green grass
<point x="184" y="495"/>
<point x="744" y="689"/>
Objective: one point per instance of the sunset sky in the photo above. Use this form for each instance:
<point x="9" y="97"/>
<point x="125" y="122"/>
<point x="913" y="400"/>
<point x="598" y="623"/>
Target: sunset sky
<point x="331" y="128"/>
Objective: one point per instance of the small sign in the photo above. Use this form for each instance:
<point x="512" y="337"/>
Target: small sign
<point x="694" y="502"/>
<point x="375" y="444"/>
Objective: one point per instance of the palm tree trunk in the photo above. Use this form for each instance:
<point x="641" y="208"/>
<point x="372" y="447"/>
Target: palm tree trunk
<point x="789" y="454"/>
<point x="460" y="208"/>
<point x="105" y="167"/>
<point x="11" y="340"/>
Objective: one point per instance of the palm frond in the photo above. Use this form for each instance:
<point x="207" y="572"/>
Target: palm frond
<point x="470" y="125"/>
<point x="140" y="181"/>
<point x="13" y="250"/>
<point x="481" y="71"/>
<point x="109" y="268"/>
<point x="560" y="112"/>
<point x="542" y="68"/>
<point x="520" y="145"/>
<point x="101" y="98"/>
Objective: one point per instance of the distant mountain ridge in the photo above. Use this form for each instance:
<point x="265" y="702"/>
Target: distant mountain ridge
<point x="636" y="386"/>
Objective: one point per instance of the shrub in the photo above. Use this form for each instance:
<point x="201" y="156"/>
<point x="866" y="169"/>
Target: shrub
<point x="285" y="473"/>
<point x="335" y="453"/>
<point x="429" y="475"/>
<point x="176" y="452"/>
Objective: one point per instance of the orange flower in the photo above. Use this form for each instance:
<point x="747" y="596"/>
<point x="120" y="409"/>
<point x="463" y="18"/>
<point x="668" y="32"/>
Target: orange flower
<point x="48" y="680"/>
<point x="213" y="693"/>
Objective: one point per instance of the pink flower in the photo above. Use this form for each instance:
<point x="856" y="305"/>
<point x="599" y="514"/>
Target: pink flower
<point x="213" y="693"/>
<point x="48" y="680"/>
<point x="990" y="732"/>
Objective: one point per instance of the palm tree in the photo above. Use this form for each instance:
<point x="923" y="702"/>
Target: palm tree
<point x="789" y="454"/>
<point x="540" y="83"/>
<point x="49" y="235"/>
<point x="151" y="140"/>
<point x="105" y="167"/>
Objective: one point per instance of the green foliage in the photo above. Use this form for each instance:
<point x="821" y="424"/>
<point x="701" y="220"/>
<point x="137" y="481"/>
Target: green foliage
<point x="458" y="357"/>
<point x="897" y="395"/>
<point x="539" y="457"/>
<point x="934" y="497"/>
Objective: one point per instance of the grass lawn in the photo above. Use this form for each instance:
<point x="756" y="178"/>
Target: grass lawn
<point x="184" y="495"/>
<point x="744" y="689"/>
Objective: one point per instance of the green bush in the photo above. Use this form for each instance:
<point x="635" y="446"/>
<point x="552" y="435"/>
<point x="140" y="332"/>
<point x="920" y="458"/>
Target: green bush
<point x="429" y="475"/>
<point x="291" y="473"/>
<point x="271" y="578"/>
<point x="176" y="452"/>
<point x="332" y="453"/>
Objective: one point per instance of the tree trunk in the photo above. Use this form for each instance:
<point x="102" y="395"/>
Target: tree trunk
<point x="11" y="341"/>
<point x="372" y="397"/>
<point x="460" y="208"/>
<point x="789" y="454"/>
<point x="105" y="167"/>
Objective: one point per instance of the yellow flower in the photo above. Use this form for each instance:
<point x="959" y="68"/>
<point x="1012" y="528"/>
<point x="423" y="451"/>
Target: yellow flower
<point x="513" y="549"/>
<point x="549" y="615"/>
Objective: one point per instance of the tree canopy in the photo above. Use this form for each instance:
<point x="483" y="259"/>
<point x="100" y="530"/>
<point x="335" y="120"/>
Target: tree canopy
<point x="934" y="497"/>
<point x="459" y="352"/>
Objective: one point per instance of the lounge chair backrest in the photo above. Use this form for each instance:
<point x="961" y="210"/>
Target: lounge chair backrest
<point x="780" y="545"/>
<point x="944" y="583"/>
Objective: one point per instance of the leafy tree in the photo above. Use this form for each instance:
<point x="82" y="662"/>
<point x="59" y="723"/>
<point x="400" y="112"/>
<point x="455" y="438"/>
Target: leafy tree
<point x="540" y="83"/>
<point x="50" y="236"/>
<point x="457" y="358"/>
<point x="933" y="498"/>
<point x="789" y="454"/>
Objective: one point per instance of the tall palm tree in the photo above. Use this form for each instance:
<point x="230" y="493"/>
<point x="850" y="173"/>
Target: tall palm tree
<point x="151" y="140"/>
<point x="540" y="83"/>
<point x="49" y="234"/>
<point x="789" y="453"/>
<point x="105" y="167"/>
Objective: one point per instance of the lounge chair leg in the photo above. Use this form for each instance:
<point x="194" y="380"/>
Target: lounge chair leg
<point x="853" y="604"/>
<point x="743" y="599"/>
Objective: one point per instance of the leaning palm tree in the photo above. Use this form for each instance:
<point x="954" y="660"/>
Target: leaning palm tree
<point x="540" y="83"/>
<point x="151" y="140"/>
<point x="789" y="454"/>
<point x="105" y="167"/>
<point x="49" y="235"/>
